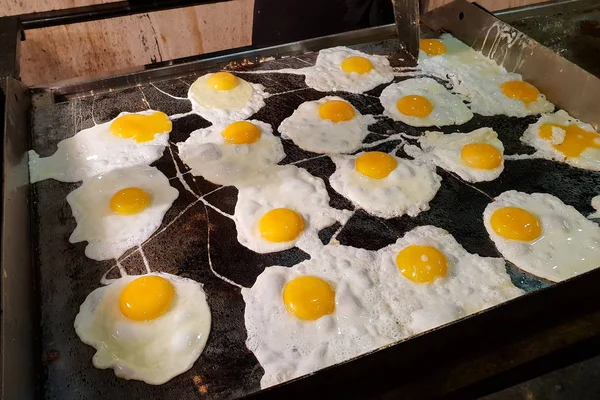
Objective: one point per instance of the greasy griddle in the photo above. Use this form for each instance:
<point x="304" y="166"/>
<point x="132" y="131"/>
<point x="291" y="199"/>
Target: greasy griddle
<point x="226" y="368"/>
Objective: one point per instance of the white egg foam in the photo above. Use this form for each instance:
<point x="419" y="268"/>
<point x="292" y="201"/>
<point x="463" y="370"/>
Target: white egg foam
<point x="151" y="351"/>
<point x="209" y="156"/>
<point x="568" y="246"/>
<point x="110" y="234"/>
<point x="94" y="151"/>
<point x="312" y="133"/>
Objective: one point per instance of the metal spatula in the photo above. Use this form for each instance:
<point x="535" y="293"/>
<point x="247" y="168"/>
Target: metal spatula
<point x="406" y="14"/>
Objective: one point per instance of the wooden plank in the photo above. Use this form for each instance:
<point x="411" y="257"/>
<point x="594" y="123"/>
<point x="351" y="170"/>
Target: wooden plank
<point x="15" y="7"/>
<point x="490" y="5"/>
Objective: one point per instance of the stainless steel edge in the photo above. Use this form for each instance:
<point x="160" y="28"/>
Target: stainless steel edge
<point x="565" y="84"/>
<point x="548" y="8"/>
<point x="18" y="303"/>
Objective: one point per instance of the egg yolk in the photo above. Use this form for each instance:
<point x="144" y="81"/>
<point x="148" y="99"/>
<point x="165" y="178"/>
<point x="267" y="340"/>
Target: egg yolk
<point x="308" y="297"/>
<point x="141" y="128"/>
<point x="222" y="81"/>
<point x="576" y="140"/>
<point x="520" y="90"/>
<point x="432" y="47"/>
<point x="515" y="224"/>
<point x="422" y="263"/>
<point x="481" y="156"/>
<point x="130" y="201"/>
<point x="241" y="132"/>
<point x="414" y="106"/>
<point x="357" y="64"/>
<point x="336" y="111"/>
<point x="281" y="225"/>
<point x="146" y="298"/>
<point x="375" y="164"/>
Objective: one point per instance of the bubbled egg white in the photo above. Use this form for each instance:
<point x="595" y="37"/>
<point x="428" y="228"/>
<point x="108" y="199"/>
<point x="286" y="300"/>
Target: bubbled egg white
<point x="309" y="131"/>
<point x="568" y="244"/>
<point x="291" y="188"/>
<point x="153" y="351"/>
<point x="108" y="233"/>
<point x="209" y="155"/>
<point x="485" y="161"/>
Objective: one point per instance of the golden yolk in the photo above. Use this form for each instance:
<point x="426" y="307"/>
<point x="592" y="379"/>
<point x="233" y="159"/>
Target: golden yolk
<point x="357" y="64"/>
<point x="422" y="263"/>
<point x="375" y="164"/>
<point x="336" y="111"/>
<point x="222" y="81"/>
<point x="130" y="201"/>
<point x="481" y="156"/>
<point x="516" y="224"/>
<point x="414" y="106"/>
<point x="146" y="298"/>
<point x="432" y="47"/>
<point x="281" y="225"/>
<point x="141" y="128"/>
<point x="308" y="297"/>
<point x="241" y="132"/>
<point x="576" y="140"/>
<point x="520" y="90"/>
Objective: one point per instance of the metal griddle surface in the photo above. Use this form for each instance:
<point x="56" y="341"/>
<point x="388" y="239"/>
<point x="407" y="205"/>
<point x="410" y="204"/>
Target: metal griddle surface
<point x="181" y="246"/>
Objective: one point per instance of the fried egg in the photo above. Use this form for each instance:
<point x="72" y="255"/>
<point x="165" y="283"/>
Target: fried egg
<point x="223" y="97"/>
<point x="347" y="70"/>
<point x="128" y="140"/>
<point x="384" y="185"/>
<point x="330" y="125"/>
<point x="542" y="235"/>
<point x="149" y="328"/>
<point x="423" y="102"/>
<point x="120" y="209"/>
<point x="317" y="313"/>
<point x="284" y="207"/>
<point x="475" y="156"/>
<point x="563" y="138"/>
<point x="231" y="153"/>
<point x="428" y="279"/>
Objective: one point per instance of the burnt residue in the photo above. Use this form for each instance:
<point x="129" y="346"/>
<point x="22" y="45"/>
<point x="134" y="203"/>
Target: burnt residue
<point x="199" y="242"/>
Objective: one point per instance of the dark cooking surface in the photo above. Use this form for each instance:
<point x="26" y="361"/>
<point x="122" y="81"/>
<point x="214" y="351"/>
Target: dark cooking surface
<point x="226" y="368"/>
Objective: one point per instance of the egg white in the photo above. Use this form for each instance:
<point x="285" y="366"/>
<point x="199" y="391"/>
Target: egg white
<point x="568" y="246"/>
<point x="327" y="74"/>
<point x="312" y="133"/>
<point x="209" y="156"/>
<point x="589" y="159"/>
<point x="444" y="150"/>
<point x="285" y="187"/>
<point x="94" y="151"/>
<point x="448" y="109"/>
<point x="110" y="234"/>
<point x="151" y="351"/>
<point x="406" y="190"/>
<point x="221" y="106"/>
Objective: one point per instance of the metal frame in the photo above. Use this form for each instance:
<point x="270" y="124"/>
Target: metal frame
<point x="447" y="360"/>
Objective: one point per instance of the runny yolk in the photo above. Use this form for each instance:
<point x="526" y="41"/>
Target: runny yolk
<point x="520" y="90"/>
<point x="422" y="263"/>
<point x="139" y="127"/>
<point x="222" y="81"/>
<point x="336" y="111"/>
<point x="357" y="64"/>
<point x="309" y="298"/>
<point x="481" y="156"/>
<point x="241" y="132"/>
<point x="576" y="140"/>
<point x="146" y="298"/>
<point x="281" y="225"/>
<point x="414" y="106"/>
<point x="514" y="223"/>
<point x="129" y="201"/>
<point x="432" y="47"/>
<point x="375" y="164"/>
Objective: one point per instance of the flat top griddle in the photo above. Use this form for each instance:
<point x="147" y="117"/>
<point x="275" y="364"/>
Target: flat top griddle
<point x="192" y="233"/>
